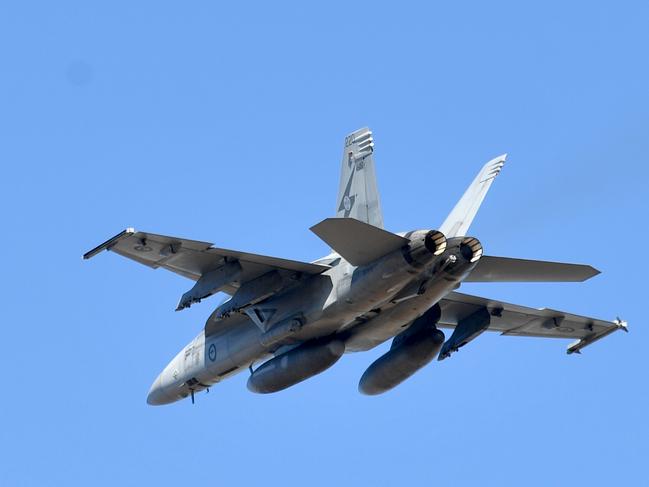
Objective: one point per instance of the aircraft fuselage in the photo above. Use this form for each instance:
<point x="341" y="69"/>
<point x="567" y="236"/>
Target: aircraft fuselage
<point x="359" y="306"/>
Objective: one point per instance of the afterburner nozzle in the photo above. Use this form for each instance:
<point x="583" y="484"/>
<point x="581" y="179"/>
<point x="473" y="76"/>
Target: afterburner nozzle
<point x="471" y="249"/>
<point x="435" y="242"/>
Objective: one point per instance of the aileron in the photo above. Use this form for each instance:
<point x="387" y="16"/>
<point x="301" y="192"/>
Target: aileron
<point x="515" y="320"/>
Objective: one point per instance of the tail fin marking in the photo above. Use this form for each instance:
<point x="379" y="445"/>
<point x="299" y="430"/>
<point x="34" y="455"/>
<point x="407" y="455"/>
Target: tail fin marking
<point x="358" y="195"/>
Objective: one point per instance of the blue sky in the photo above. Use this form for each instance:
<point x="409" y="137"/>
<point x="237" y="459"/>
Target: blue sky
<point x="224" y="122"/>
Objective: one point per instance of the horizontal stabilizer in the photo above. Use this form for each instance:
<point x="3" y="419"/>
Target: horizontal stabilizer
<point x="357" y="242"/>
<point x="505" y="269"/>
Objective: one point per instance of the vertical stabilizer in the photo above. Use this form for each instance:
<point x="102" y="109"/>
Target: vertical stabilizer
<point x="358" y="195"/>
<point x="457" y="223"/>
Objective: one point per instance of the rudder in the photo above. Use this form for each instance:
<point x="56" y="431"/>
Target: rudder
<point x="358" y="194"/>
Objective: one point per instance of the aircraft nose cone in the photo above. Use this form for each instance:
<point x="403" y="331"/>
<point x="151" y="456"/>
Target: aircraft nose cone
<point x="157" y="395"/>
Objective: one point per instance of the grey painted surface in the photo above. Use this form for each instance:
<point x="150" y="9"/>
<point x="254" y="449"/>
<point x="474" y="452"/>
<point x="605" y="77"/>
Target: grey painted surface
<point x="295" y="319"/>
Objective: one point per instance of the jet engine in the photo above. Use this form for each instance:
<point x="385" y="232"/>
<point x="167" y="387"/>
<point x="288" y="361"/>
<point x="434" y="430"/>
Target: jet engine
<point x="422" y="244"/>
<point x="296" y="365"/>
<point x="471" y="249"/>
<point x="435" y="242"/>
<point x="460" y="257"/>
<point x="410" y="351"/>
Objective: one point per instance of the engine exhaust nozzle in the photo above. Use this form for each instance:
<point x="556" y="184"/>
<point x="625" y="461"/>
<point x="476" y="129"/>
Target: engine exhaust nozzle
<point x="435" y="242"/>
<point x="471" y="249"/>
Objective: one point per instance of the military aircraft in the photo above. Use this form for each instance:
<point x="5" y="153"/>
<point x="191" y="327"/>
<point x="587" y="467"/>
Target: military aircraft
<point x="286" y="321"/>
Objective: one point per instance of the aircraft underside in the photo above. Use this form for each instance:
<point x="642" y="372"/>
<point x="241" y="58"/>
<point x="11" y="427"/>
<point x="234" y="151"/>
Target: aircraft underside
<point x="286" y="321"/>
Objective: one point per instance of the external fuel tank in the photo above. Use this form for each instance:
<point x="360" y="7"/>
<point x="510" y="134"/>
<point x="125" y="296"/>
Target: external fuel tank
<point x="410" y="351"/>
<point x="296" y="365"/>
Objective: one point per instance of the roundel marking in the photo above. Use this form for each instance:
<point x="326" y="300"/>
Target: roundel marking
<point x="347" y="203"/>
<point x="211" y="352"/>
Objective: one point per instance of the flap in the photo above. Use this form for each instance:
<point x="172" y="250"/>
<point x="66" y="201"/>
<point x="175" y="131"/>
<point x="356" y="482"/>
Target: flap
<point x="357" y="242"/>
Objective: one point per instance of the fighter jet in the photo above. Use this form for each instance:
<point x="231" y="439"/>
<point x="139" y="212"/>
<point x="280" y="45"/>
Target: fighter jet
<point x="286" y="321"/>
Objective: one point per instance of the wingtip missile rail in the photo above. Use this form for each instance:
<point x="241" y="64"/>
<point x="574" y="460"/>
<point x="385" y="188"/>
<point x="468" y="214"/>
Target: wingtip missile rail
<point x="578" y="345"/>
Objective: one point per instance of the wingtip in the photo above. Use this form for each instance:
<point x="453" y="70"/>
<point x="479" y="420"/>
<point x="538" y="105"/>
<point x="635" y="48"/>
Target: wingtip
<point x="622" y="325"/>
<point x="108" y="243"/>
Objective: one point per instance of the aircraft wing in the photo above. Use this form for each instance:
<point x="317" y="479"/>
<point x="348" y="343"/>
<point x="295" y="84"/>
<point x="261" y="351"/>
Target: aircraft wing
<point x="515" y="320"/>
<point x="224" y="269"/>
